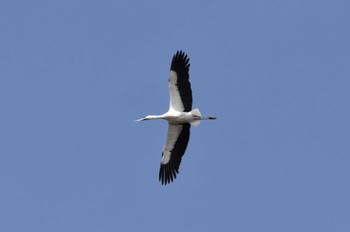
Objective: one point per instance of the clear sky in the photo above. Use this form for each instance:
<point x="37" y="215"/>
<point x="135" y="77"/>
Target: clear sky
<point x="74" y="75"/>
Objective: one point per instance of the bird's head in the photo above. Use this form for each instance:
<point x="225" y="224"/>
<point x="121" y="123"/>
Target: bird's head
<point x="143" y="119"/>
<point x="149" y="117"/>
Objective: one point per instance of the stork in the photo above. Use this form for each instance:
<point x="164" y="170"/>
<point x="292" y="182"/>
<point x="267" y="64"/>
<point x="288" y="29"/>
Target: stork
<point x="180" y="117"/>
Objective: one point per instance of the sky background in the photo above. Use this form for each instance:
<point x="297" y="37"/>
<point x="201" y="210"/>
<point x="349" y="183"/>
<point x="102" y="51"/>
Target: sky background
<point x="74" y="75"/>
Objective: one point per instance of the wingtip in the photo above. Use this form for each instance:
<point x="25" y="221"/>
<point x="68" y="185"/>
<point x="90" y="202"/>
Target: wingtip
<point x="167" y="174"/>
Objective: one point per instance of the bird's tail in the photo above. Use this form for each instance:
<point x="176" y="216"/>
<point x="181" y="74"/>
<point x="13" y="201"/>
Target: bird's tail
<point x="198" y="114"/>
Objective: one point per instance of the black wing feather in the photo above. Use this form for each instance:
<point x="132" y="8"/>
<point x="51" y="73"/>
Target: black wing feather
<point x="167" y="172"/>
<point x="181" y="65"/>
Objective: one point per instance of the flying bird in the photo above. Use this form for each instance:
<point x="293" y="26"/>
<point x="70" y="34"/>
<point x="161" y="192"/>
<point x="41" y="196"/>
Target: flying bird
<point x="180" y="117"/>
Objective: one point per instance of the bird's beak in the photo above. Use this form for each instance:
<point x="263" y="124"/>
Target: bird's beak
<point x="139" y="120"/>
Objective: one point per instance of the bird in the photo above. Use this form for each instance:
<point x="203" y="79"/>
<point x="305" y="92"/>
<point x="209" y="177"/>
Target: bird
<point x="180" y="117"/>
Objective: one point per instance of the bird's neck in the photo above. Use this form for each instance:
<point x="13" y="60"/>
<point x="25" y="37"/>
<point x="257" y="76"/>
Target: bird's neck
<point x="150" y="117"/>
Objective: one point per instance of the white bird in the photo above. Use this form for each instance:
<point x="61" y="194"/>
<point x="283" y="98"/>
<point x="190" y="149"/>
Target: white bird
<point x="180" y="117"/>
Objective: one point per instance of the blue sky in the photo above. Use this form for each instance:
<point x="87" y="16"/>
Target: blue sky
<point x="75" y="74"/>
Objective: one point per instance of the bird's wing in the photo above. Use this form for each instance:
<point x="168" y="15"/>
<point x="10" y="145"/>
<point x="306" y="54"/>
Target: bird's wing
<point x="179" y="85"/>
<point x="174" y="149"/>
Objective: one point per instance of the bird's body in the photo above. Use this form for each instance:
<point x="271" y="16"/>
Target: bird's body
<point x="176" y="117"/>
<point x="180" y="117"/>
